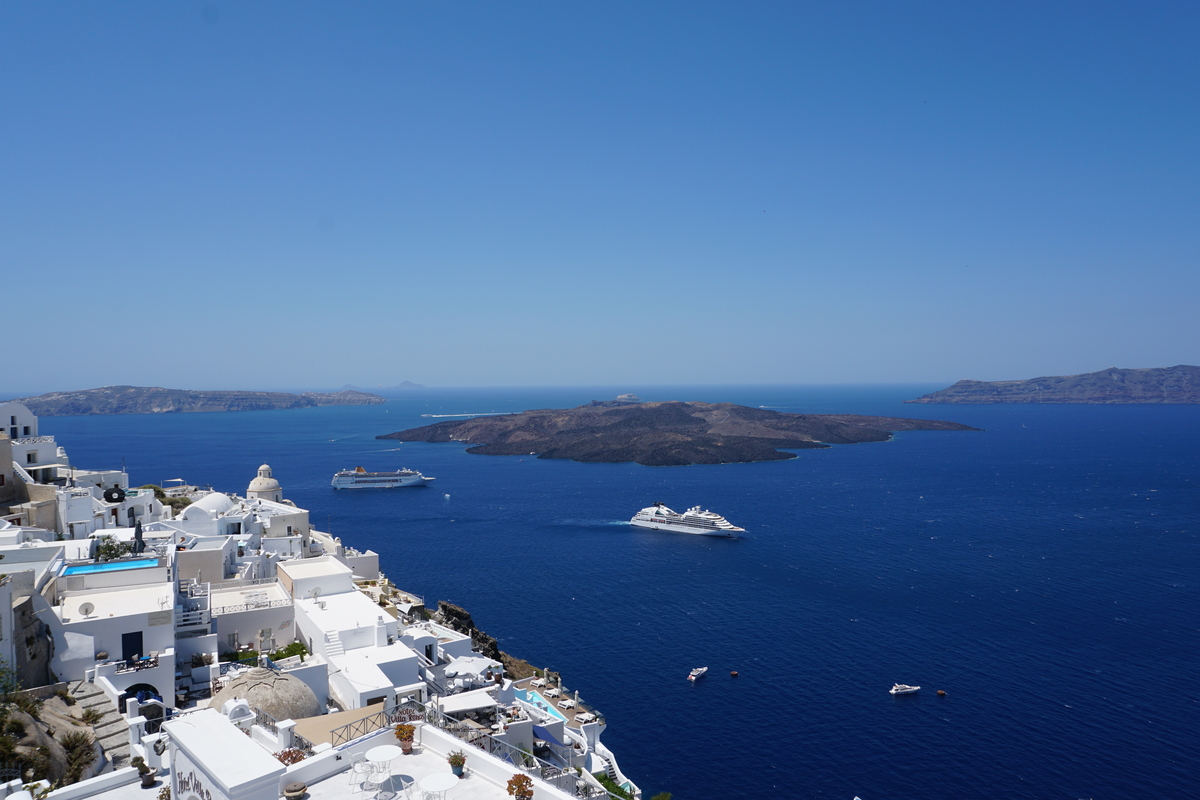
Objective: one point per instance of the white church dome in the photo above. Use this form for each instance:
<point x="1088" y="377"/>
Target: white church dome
<point x="263" y="484"/>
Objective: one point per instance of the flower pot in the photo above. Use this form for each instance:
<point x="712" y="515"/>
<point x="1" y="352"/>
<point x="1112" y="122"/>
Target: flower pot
<point x="457" y="769"/>
<point x="406" y="746"/>
<point x="148" y="779"/>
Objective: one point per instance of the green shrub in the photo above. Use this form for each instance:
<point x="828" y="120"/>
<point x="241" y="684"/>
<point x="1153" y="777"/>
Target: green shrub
<point x="14" y="727"/>
<point x="80" y="755"/>
<point x="293" y="649"/>
<point x="108" y="548"/>
<point x="609" y="784"/>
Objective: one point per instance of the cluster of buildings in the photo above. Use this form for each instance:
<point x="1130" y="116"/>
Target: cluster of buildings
<point x="168" y="617"/>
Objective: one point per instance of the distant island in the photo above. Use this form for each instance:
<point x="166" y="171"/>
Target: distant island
<point x="156" y="400"/>
<point x="405" y="386"/>
<point x="1179" y="384"/>
<point x="663" y="433"/>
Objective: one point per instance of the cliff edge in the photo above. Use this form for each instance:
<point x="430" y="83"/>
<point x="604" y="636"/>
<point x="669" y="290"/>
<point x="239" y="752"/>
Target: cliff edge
<point x="1179" y="384"/>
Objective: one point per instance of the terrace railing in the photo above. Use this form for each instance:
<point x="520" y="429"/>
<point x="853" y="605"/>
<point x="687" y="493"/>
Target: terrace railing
<point x="251" y="606"/>
<point x="265" y="720"/>
<point x="252" y="661"/>
<point x="139" y="665"/>
<point x="566" y="780"/>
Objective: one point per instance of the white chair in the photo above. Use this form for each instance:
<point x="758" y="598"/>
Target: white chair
<point x="360" y="769"/>
<point x="374" y="780"/>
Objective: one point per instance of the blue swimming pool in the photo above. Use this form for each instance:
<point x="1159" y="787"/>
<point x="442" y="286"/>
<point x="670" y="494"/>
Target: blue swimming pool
<point x="111" y="566"/>
<point x="536" y="699"/>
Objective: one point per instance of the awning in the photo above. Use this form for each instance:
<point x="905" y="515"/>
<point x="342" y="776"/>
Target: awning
<point x="467" y="701"/>
<point x="542" y="733"/>
<point x="470" y="665"/>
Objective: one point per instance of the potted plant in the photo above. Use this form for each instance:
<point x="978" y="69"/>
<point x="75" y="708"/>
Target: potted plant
<point x="144" y="770"/>
<point x="457" y="760"/>
<point x="520" y="786"/>
<point x="404" y="733"/>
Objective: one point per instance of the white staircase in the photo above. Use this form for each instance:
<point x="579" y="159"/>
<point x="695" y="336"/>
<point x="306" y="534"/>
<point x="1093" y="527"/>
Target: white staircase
<point x="333" y="645"/>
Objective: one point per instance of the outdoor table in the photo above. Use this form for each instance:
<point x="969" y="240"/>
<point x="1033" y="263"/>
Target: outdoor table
<point x="381" y="757"/>
<point x="438" y="784"/>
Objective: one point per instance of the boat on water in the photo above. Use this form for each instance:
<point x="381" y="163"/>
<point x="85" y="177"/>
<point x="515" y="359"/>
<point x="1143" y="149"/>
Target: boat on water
<point x="660" y="518"/>
<point x="359" y="478"/>
<point x="904" y="688"/>
<point x="698" y="672"/>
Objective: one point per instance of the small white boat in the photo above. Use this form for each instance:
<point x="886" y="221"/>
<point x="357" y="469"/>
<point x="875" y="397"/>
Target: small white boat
<point x="904" y="688"/>
<point x="697" y="673"/>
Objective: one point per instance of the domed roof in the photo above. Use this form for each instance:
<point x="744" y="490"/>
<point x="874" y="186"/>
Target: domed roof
<point x="264" y="482"/>
<point x="282" y="696"/>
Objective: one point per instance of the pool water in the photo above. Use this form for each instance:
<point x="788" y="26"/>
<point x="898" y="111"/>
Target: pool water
<point x="536" y="699"/>
<point x="112" y="566"/>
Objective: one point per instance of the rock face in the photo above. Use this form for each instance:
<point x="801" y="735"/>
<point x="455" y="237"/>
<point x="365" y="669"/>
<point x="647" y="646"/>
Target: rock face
<point x="663" y="433"/>
<point x="156" y="400"/>
<point x="1179" y="384"/>
<point x="459" y="619"/>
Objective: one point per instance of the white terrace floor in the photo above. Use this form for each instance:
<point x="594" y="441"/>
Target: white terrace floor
<point x="406" y="769"/>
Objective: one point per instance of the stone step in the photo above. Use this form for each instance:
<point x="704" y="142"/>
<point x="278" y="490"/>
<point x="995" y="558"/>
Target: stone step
<point x="101" y="703"/>
<point x="107" y="727"/>
<point x="82" y="687"/>
<point x="113" y="742"/>
<point x="118" y="756"/>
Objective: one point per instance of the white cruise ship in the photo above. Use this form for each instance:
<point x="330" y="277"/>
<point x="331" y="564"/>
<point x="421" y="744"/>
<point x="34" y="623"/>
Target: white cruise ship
<point x="359" y="478"/>
<point x="660" y="518"/>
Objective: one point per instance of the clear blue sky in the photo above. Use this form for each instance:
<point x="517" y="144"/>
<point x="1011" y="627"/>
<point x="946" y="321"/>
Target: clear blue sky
<point x="279" y="195"/>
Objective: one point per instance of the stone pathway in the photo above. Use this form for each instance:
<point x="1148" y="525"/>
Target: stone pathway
<point x="112" y="731"/>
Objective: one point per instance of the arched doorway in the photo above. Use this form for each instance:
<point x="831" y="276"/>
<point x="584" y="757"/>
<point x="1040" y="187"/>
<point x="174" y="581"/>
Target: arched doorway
<point x="153" y="712"/>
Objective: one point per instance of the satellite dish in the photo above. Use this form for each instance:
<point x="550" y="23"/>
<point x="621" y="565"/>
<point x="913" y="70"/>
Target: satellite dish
<point x="316" y="592"/>
<point x="86" y="608"/>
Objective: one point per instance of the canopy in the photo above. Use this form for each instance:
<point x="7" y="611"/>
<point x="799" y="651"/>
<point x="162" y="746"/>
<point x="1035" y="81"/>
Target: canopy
<point x="546" y="735"/>
<point x="467" y="701"/>
<point x="470" y="665"/>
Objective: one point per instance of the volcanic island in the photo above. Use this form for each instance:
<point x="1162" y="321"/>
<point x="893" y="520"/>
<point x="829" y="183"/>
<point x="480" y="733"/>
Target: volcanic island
<point x="661" y="434"/>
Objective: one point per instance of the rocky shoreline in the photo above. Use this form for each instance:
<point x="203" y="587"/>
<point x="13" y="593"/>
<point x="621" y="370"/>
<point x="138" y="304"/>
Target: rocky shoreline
<point x="156" y="400"/>
<point x="669" y="433"/>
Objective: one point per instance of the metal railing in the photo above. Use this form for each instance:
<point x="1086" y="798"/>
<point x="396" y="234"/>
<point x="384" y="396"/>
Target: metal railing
<point x="197" y="616"/>
<point x="251" y="606"/>
<point x="217" y="586"/>
<point x="565" y="779"/>
<point x="252" y="661"/>
<point x="139" y="665"/>
<point x="34" y="440"/>
<point x="265" y="720"/>
<point x="300" y="743"/>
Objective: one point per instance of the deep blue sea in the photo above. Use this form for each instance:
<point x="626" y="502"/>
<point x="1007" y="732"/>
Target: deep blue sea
<point x="1044" y="572"/>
